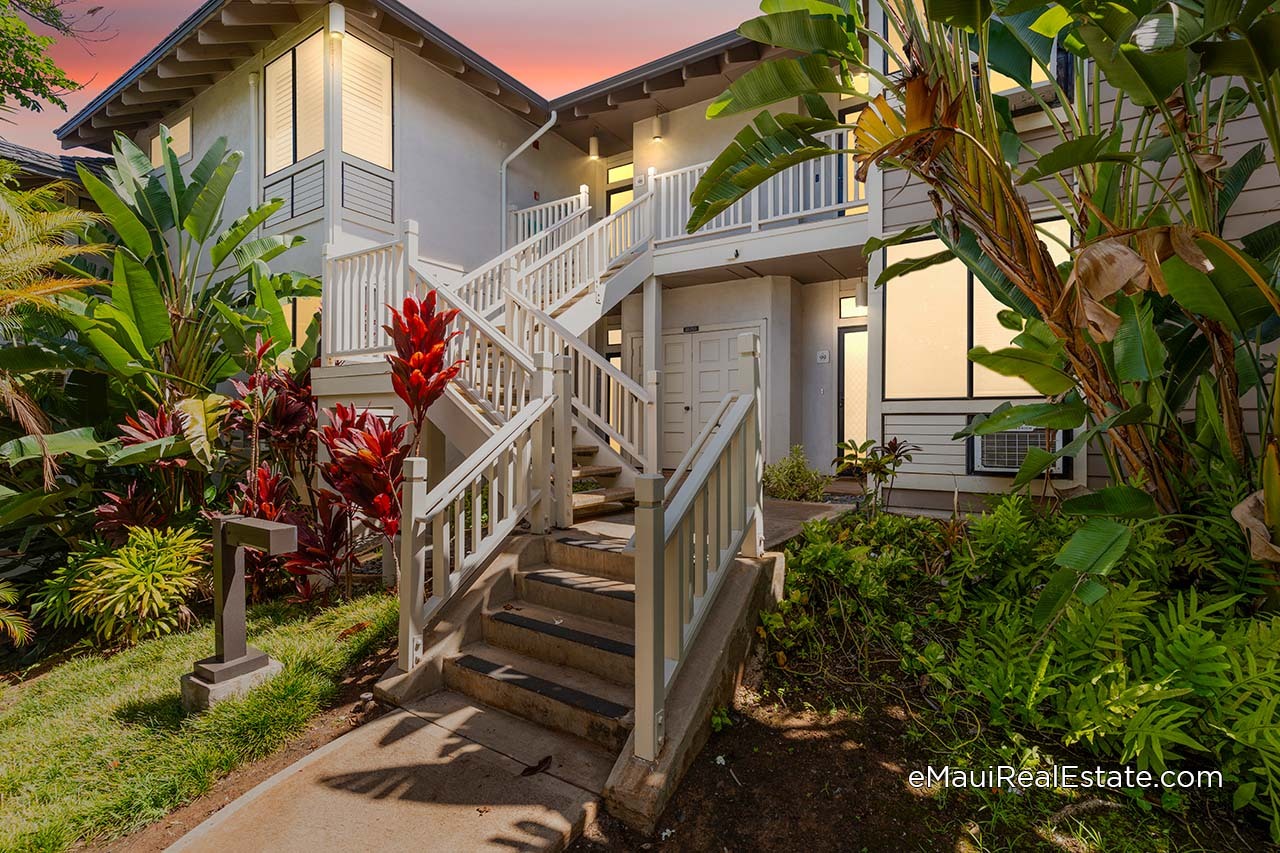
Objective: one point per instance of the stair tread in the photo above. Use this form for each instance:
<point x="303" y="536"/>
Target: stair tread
<point x="592" y="584"/>
<point x="595" y="497"/>
<point x="564" y="684"/>
<point x="603" y="636"/>
<point x="585" y="471"/>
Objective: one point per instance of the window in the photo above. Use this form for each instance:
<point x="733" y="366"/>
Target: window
<point x="366" y="103"/>
<point x="623" y="172"/>
<point x="619" y="188"/>
<point x="935" y="315"/>
<point x="849" y="308"/>
<point x="180" y="132"/>
<point x="293" y="91"/>
<point x="299" y="313"/>
<point x="926" y="337"/>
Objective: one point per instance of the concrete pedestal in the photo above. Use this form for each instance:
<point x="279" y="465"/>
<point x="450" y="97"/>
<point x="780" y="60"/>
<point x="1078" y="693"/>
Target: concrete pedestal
<point x="200" y="695"/>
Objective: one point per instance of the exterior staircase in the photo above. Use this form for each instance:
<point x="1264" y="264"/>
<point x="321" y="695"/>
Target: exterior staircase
<point x="586" y="642"/>
<point x="560" y="651"/>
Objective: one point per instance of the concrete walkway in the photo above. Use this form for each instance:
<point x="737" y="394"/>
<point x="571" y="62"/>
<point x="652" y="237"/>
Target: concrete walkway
<point x="444" y="775"/>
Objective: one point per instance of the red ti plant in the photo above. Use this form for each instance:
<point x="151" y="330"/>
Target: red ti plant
<point x="418" y="372"/>
<point x="267" y="495"/>
<point x="365" y="467"/>
<point x="118" y="514"/>
<point x="324" y="548"/>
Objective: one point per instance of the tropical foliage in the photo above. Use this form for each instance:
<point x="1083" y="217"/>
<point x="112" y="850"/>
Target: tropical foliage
<point x="1149" y="330"/>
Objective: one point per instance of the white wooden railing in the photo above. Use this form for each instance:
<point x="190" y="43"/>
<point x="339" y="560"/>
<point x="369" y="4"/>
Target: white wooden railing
<point x="524" y="223"/>
<point x="603" y="396"/>
<point x="485" y="287"/>
<point x="497" y="375"/>
<point x="466" y="517"/>
<point x="684" y="550"/>
<point x="815" y="188"/>
<point x="358" y="287"/>
<point x="584" y="261"/>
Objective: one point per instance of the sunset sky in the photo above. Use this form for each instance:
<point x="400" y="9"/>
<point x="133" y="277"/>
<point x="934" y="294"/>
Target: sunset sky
<point x="553" y="46"/>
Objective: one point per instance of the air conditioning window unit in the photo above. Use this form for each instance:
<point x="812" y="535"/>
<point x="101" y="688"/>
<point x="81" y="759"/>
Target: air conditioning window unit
<point x="1003" y="452"/>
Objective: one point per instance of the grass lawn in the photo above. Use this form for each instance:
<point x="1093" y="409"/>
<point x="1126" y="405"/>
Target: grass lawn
<point x="100" y="746"/>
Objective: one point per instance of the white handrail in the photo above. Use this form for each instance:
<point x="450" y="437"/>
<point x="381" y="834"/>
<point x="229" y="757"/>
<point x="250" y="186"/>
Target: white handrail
<point x="584" y="261"/>
<point x="470" y="513"/>
<point x="495" y="373"/>
<point x="695" y="449"/>
<point x="824" y="186"/>
<point x="528" y="221"/>
<point x="483" y="287"/>
<point x="603" y="395"/>
<point x="684" y="550"/>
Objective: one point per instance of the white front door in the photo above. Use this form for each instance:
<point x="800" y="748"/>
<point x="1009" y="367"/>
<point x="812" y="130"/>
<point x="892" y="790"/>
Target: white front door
<point x="676" y="423"/>
<point x="698" y="370"/>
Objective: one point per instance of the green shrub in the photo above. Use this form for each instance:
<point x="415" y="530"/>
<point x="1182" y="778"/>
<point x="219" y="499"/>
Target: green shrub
<point x="1154" y="673"/>
<point x="138" y="590"/>
<point x="791" y="478"/>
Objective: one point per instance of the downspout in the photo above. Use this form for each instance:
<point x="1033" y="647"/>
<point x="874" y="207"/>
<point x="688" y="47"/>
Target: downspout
<point x="502" y="174"/>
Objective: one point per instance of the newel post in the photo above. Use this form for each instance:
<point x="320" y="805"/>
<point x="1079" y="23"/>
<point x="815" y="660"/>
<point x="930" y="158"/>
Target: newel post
<point x="328" y="301"/>
<point x="544" y="387"/>
<point x="749" y="386"/>
<point x="584" y="197"/>
<point x="409" y="242"/>
<point x="650" y="576"/>
<point x="562" y="432"/>
<point x="413" y="570"/>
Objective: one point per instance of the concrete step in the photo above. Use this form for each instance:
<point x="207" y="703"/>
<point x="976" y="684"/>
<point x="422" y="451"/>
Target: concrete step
<point x="606" y="599"/>
<point x="573" y="759"/>
<point x="564" y="699"/>
<point x="564" y="639"/>
<point x="600" y="562"/>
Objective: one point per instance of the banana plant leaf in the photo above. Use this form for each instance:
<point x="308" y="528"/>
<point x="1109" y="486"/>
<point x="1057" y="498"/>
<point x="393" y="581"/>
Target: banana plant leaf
<point x="778" y="80"/>
<point x="798" y="30"/>
<point x="1137" y="350"/>
<point x="1068" y="413"/>
<point x="1120" y="501"/>
<point x="1096" y="547"/>
<point x="1042" y="371"/>
<point x="81" y="443"/>
<point x="762" y="149"/>
<point x="1227" y="293"/>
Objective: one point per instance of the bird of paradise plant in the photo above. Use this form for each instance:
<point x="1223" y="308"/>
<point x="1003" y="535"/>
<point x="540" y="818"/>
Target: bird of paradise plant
<point x="1157" y="310"/>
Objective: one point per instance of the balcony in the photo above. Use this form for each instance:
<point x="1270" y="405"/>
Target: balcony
<point x="813" y="207"/>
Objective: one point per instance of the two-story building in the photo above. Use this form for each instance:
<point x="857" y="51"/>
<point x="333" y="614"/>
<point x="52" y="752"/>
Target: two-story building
<point x="363" y="116"/>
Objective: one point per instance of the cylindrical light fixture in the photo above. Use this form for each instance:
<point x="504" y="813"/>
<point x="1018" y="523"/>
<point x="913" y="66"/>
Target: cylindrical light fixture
<point x="656" y="127"/>
<point x="337" y="20"/>
<point x="593" y="147"/>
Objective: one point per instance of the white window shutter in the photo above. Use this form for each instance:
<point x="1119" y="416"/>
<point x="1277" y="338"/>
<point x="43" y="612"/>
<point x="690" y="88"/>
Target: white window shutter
<point x="366" y="103"/>
<point x="310" y="88"/>
<point x="278" y="119"/>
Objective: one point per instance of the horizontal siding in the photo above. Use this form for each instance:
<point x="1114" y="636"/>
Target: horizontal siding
<point x="303" y="192"/>
<point x="939" y="453"/>
<point x="368" y="194"/>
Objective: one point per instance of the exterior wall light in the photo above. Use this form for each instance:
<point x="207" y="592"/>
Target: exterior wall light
<point x="337" y="20"/>
<point x="593" y="147"/>
<point x="656" y="127"/>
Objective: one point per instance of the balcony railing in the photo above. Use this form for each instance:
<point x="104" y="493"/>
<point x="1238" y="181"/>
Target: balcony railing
<point x="813" y="190"/>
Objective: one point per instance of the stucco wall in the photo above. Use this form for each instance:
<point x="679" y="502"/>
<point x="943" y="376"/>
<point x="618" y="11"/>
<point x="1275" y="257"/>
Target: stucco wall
<point x="450" y="142"/>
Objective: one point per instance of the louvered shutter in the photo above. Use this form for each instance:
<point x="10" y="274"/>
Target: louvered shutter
<point x="366" y="103"/>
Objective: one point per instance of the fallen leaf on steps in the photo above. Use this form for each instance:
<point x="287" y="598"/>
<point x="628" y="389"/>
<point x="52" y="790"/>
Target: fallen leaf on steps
<point x="535" y="769"/>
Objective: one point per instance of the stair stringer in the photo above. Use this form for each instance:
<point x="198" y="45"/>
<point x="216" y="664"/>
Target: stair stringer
<point x="586" y="312"/>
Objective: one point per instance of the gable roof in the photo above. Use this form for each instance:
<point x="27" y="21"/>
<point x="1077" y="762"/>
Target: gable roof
<point x="222" y="34"/>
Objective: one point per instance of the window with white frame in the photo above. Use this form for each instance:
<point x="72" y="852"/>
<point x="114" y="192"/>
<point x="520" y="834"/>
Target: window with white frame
<point x="293" y="91"/>
<point x="180" y="135"/>
<point x="366" y="103"/>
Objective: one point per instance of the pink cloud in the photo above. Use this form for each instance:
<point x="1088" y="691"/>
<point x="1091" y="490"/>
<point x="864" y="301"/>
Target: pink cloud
<point x="553" y="46"/>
